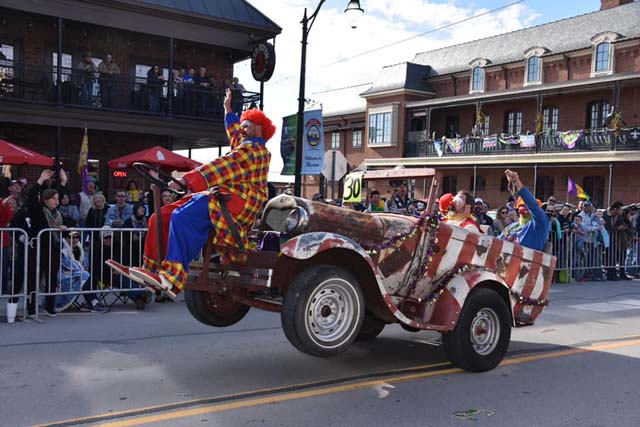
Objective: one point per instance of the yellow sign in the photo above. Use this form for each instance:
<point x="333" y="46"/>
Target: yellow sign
<point x="352" y="188"/>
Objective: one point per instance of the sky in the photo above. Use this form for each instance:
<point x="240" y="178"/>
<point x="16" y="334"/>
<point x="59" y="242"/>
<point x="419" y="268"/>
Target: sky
<point x="334" y="79"/>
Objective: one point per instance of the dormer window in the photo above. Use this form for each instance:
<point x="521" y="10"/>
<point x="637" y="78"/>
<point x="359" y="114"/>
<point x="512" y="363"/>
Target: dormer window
<point x="533" y="65"/>
<point x="602" y="59"/>
<point x="533" y="69"/>
<point x="603" y="48"/>
<point x="477" y="75"/>
<point x="477" y="79"/>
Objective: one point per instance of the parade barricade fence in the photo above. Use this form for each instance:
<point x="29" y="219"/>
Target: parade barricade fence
<point x="595" y="256"/>
<point x="70" y="269"/>
<point x="14" y="243"/>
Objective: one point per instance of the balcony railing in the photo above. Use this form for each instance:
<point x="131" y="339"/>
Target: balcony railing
<point x="419" y="144"/>
<point x="38" y="83"/>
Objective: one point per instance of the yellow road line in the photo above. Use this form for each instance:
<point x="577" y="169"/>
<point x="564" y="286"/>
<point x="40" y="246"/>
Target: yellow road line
<point x="214" y="408"/>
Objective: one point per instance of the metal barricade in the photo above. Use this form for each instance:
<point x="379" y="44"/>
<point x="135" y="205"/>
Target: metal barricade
<point x="71" y="271"/>
<point x="595" y="255"/>
<point x="14" y="243"/>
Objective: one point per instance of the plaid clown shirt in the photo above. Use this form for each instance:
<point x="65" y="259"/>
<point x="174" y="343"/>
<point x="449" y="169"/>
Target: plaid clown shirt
<point x="243" y="173"/>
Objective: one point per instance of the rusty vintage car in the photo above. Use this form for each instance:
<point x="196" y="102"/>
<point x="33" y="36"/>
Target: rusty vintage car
<point x="337" y="276"/>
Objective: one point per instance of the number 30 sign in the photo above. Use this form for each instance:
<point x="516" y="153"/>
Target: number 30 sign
<point x="352" y="187"/>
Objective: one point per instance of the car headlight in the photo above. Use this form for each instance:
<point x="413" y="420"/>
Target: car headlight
<point x="297" y="220"/>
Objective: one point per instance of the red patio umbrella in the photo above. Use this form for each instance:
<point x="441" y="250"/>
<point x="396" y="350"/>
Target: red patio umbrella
<point x="12" y="154"/>
<point x="165" y="159"/>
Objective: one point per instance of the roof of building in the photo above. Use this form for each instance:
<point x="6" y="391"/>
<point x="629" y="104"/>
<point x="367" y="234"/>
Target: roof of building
<point x="559" y="36"/>
<point x="406" y="75"/>
<point x="231" y="10"/>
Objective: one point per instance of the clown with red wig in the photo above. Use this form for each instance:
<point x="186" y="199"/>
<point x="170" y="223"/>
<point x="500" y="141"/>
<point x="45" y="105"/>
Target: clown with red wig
<point x="533" y="227"/>
<point x="241" y="176"/>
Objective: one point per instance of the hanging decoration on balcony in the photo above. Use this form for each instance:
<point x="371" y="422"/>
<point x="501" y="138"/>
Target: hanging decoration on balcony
<point x="616" y="121"/>
<point x="509" y="139"/>
<point x="478" y="127"/>
<point x="539" y="124"/>
<point x="527" y="141"/>
<point x="437" y="144"/>
<point x="490" y="142"/>
<point x="455" y="144"/>
<point x="570" y="138"/>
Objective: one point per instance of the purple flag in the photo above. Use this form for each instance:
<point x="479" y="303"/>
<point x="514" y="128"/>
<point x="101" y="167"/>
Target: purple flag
<point x="571" y="187"/>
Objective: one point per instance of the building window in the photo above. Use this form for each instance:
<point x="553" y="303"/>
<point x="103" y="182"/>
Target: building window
<point x="380" y="128"/>
<point x="480" y="184"/>
<point x="450" y="184"/>
<point x="550" y="119"/>
<point x="597" y="113"/>
<point x="544" y="187"/>
<point x="594" y="186"/>
<point x="452" y="127"/>
<point x="602" y="59"/>
<point x="477" y="79"/>
<point x="6" y="66"/>
<point x="504" y="185"/>
<point x="487" y="120"/>
<point x="356" y="140"/>
<point x="67" y="66"/>
<point x="335" y="140"/>
<point x="533" y="69"/>
<point x="513" y="122"/>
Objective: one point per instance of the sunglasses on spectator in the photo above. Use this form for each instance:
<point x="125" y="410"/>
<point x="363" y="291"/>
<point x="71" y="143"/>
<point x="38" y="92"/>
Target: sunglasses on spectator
<point x="120" y="196"/>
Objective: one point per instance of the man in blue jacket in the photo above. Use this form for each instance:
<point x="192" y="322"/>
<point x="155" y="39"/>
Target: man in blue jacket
<point x="532" y="230"/>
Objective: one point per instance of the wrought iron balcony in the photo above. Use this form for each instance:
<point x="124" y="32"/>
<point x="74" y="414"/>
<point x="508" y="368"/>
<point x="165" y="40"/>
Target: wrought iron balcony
<point x="419" y="144"/>
<point x="39" y="83"/>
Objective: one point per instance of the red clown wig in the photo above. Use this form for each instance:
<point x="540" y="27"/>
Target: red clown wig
<point x="258" y="118"/>
<point x="446" y="202"/>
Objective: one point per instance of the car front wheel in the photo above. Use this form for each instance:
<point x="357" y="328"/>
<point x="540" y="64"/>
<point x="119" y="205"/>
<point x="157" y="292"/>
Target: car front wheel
<point x="481" y="337"/>
<point x="322" y="311"/>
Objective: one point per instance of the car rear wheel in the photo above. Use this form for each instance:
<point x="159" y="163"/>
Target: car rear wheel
<point x="219" y="311"/>
<point x="481" y="337"/>
<point x="322" y="311"/>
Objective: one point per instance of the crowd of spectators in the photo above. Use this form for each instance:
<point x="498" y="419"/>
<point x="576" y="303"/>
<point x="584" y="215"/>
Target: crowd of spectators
<point x="72" y="260"/>
<point x="193" y="92"/>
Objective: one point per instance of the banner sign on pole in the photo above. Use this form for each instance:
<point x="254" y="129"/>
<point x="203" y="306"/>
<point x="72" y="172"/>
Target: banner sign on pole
<point x="288" y="144"/>
<point x="313" y="143"/>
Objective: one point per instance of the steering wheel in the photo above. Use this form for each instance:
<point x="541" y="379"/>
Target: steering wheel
<point x="144" y="170"/>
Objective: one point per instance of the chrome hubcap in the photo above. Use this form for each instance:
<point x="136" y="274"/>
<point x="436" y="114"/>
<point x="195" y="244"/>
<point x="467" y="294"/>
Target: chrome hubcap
<point x="331" y="312"/>
<point x="485" y="331"/>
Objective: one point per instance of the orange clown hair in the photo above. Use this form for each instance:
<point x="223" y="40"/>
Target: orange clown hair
<point x="521" y="204"/>
<point x="258" y="118"/>
<point x="445" y="202"/>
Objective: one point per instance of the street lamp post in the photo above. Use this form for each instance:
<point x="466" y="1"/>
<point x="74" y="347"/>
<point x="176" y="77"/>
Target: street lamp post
<point x="353" y="12"/>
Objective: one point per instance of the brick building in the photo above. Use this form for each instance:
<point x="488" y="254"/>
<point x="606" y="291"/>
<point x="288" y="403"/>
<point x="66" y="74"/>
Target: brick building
<point x="578" y="74"/>
<point x="46" y="99"/>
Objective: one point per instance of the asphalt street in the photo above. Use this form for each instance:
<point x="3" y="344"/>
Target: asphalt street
<point x="578" y="366"/>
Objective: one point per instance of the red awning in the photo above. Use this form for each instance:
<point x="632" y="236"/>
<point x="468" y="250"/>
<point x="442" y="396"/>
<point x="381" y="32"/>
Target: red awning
<point x="165" y="159"/>
<point x="12" y="154"/>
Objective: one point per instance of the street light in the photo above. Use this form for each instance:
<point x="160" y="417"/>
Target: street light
<point x="353" y="12"/>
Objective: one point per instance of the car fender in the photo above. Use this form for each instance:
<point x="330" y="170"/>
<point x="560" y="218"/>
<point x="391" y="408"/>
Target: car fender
<point x="448" y="306"/>
<point x="308" y="245"/>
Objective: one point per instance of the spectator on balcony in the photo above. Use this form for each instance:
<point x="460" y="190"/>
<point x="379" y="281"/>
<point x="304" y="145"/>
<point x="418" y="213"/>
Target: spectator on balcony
<point x="188" y="77"/>
<point x="155" y="82"/>
<point x="86" y="74"/>
<point x="202" y="85"/>
<point x="118" y="213"/>
<point x="69" y="211"/>
<point x="237" y="96"/>
<point x="109" y="72"/>
<point x="215" y="92"/>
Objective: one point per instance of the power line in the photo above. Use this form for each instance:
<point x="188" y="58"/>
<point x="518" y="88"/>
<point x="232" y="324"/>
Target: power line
<point x="342" y="88"/>
<point x="407" y="39"/>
